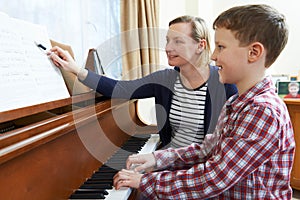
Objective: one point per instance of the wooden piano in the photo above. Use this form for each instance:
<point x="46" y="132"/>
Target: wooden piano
<point x="48" y="150"/>
<point x="51" y="157"/>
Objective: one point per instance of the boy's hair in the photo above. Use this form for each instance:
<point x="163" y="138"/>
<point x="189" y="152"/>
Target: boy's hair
<point x="293" y="84"/>
<point x="256" y="23"/>
<point x="199" y="31"/>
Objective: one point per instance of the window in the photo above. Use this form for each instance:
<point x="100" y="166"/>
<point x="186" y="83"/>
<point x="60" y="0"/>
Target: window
<point x="82" y="24"/>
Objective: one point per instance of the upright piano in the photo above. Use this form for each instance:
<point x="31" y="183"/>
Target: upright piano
<point x="47" y="151"/>
<point x="52" y="148"/>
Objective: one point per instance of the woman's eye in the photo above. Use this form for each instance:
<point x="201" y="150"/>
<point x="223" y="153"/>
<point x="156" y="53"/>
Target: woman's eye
<point x="220" y="47"/>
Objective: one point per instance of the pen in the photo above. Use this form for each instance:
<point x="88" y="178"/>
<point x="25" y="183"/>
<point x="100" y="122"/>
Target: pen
<point x="40" y="46"/>
<point x="43" y="48"/>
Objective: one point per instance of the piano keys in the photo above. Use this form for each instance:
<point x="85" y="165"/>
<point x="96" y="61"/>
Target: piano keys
<point x="99" y="185"/>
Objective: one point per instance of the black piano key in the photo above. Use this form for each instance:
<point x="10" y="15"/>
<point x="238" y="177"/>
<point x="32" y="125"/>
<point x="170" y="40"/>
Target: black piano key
<point x="87" y="196"/>
<point x="94" y="186"/>
<point x="117" y="158"/>
<point x="107" y="170"/>
<point x="100" y="185"/>
<point x="101" y="180"/>
<point x="86" y="191"/>
<point x="103" y="176"/>
<point x="107" y="173"/>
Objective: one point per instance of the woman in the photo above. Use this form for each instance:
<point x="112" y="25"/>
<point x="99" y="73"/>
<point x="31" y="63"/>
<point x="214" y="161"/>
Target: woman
<point x="188" y="98"/>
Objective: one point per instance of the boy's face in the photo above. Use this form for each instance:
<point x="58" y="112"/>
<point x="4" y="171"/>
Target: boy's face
<point x="293" y="90"/>
<point x="229" y="57"/>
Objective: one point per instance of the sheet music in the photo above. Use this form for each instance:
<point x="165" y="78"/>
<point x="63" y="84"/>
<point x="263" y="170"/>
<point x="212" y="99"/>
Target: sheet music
<point x="27" y="76"/>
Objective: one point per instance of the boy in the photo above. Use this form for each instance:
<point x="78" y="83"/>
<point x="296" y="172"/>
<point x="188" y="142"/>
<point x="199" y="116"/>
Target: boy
<point x="250" y="154"/>
<point x="293" y="90"/>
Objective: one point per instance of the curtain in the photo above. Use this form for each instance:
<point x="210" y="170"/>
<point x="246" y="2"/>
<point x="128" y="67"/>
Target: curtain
<point x="139" y="37"/>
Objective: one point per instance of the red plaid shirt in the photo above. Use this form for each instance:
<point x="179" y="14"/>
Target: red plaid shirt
<point x="249" y="156"/>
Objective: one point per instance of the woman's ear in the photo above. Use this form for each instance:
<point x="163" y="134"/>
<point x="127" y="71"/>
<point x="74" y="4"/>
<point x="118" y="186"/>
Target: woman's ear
<point x="201" y="45"/>
<point x="256" y="50"/>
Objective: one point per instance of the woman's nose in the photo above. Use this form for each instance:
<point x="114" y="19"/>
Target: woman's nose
<point x="213" y="56"/>
<point x="168" y="48"/>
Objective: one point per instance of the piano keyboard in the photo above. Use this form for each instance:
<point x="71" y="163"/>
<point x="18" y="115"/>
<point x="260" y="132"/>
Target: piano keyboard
<point x="99" y="185"/>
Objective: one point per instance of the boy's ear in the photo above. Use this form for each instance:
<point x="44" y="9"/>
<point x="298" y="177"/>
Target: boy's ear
<point x="256" y="51"/>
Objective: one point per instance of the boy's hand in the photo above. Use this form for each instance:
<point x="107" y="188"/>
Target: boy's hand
<point x="141" y="162"/>
<point x="127" y="178"/>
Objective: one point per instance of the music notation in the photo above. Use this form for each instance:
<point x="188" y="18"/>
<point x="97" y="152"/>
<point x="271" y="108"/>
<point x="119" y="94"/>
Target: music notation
<point x="27" y="76"/>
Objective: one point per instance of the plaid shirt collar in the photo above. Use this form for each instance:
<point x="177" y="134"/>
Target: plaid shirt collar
<point x="236" y="102"/>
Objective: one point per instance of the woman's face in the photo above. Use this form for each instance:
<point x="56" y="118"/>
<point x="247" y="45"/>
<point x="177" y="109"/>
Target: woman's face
<point x="181" y="48"/>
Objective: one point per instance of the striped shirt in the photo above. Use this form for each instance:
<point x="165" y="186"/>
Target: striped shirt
<point x="187" y="114"/>
<point x="249" y="156"/>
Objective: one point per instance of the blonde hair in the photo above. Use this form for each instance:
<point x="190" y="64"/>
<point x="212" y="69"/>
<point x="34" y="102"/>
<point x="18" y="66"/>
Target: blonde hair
<point x="199" y="32"/>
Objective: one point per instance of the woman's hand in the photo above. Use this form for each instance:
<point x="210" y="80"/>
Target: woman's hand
<point x="63" y="59"/>
<point x="141" y="162"/>
<point x="127" y="178"/>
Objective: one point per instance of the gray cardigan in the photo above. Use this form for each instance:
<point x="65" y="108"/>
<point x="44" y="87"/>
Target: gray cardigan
<point x="160" y="85"/>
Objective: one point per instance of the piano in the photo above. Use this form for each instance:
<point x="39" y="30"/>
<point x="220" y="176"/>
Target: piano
<point x="54" y="147"/>
<point x="47" y="151"/>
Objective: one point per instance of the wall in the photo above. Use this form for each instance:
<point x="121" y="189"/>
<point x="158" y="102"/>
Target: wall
<point x="287" y="62"/>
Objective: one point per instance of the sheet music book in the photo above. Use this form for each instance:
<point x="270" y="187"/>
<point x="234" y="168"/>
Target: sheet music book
<point x="27" y="75"/>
